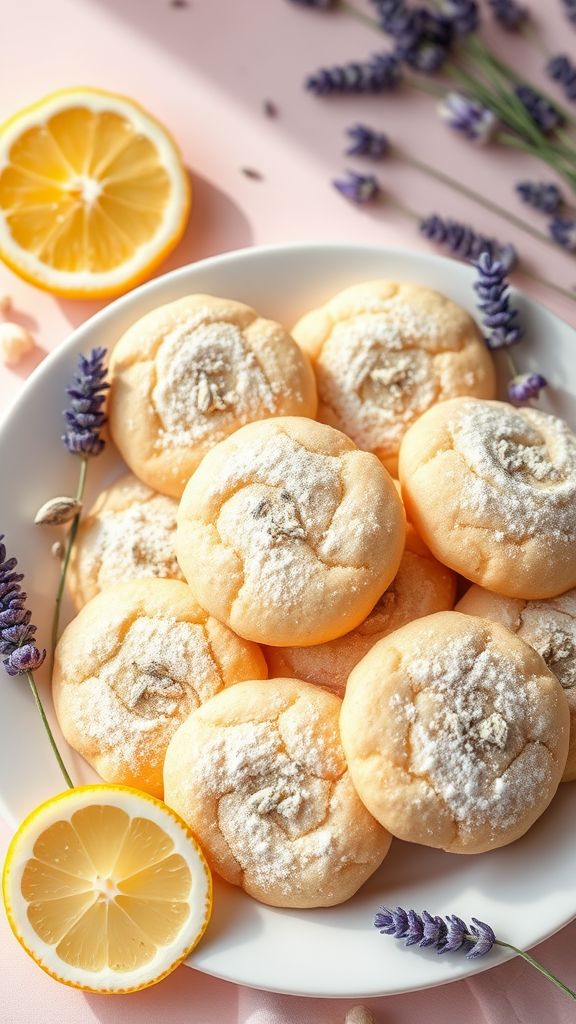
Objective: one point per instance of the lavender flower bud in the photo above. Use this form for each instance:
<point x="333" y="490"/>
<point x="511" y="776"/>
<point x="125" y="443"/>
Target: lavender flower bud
<point x="434" y="930"/>
<point x="542" y="195"/>
<point x="358" y="188"/>
<point x="455" y="934"/>
<point x="85" y="418"/>
<point x="24" y="659"/>
<point x="485" y="939"/>
<point x="423" y="39"/>
<point x="563" y="231"/>
<point x="415" y="930"/>
<point x="367" y="142"/>
<point x="562" y="70"/>
<point x="382" y="73"/>
<point x="525" y="386"/>
<point x="492" y="289"/>
<point x="465" y="115"/>
<point x="544" y="114"/>
<point x="462" y="14"/>
<point x="509" y="14"/>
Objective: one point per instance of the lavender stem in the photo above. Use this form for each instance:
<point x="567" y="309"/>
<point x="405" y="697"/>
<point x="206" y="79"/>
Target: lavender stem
<point x="472" y="194"/>
<point x="68" y="551"/>
<point x="539" y="967"/>
<point x="49" y="732"/>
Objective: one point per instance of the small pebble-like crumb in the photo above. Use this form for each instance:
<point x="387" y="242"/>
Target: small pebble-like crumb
<point x="270" y="108"/>
<point x="360" y="1015"/>
<point x="5" y="303"/>
<point x="15" y="343"/>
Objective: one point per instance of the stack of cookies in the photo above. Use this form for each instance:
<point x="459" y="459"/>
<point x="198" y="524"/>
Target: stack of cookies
<point x="265" y="629"/>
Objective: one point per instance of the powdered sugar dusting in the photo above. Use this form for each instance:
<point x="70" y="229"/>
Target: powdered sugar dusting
<point x="550" y="628"/>
<point x="522" y="466"/>
<point x="281" y="520"/>
<point x="478" y="731"/>
<point x="162" y="670"/>
<point x="132" y="543"/>
<point x="209" y="381"/>
<point x="273" y="810"/>
<point x="374" y="373"/>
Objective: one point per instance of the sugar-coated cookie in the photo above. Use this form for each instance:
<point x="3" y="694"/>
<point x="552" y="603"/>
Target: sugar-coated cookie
<point x="455" y="732"/>
<point x="421" y="586"/>
<point x="132" y="665"/>
<point x="259" y="775"/>
<point x="549" y="627"/>
<point x="288" y="533"/>
<point x="385" y="352"/>
<point x="186" y="375"/>
<point x="129" y="533"/>
<point x="492" y="491"/>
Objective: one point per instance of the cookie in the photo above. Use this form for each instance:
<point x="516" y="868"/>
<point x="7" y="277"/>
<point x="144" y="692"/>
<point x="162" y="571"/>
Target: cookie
<point x="129" y="533"/>
<point x="455" y="733"/>
<point x="492" y="491"/>
<point x="132" y="666"/>
<point x="421" y="586"/>
<point x="288" y="533"/>
<point x="550" y="628"/>
<point x="383" y="353"/>
<point x="259" y="775"/>
<point x="188" y="374"/>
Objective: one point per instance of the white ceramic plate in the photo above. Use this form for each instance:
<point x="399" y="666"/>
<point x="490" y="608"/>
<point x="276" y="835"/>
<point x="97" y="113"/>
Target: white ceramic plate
<point x="526" y="891"/>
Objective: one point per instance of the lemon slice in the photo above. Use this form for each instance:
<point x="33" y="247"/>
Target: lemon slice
<point x="93" y="193"/>
<point x="106" y="888"/>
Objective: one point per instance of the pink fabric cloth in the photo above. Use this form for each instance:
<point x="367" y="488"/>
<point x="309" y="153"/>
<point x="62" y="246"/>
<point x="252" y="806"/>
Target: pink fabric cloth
<point x="205" y="70"/>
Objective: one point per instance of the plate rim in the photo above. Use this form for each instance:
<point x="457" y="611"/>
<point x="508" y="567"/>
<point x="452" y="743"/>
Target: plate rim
<point x="74" y="339"/>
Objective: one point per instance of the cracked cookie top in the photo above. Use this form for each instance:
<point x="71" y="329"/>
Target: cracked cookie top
<point x="385" y="352"/>
<point x="189" y="373"/>
<point x="132" y="665"/>
<point x="455" y="732"/>
<point x="492" y="491"/>
<point x="549" y="627"/>
<point x="259" y="775"/>
<point x="288" y="533"/>
<point x="129" y="533"/>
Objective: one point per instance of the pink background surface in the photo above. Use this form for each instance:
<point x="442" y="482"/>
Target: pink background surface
<point x="205" y="71"/>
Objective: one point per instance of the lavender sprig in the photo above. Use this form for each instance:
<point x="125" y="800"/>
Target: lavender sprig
<point x="563" y="231"/>
<point x="562" y="70"/>
<point x="465" y="242"/>
<point x="383" y="73"/>
<point x="544" y="114"/>
<point x="492" y="289"/>
<point x="541" y="195"/>
<point x="367" y="142"/>
<point x="450" y="933"/>
<point x="469" y="117"/>
<point x="85" y="419"/>
<point x="18" y="638"/>
<point x="509" y="14"/>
